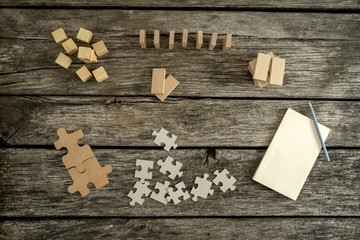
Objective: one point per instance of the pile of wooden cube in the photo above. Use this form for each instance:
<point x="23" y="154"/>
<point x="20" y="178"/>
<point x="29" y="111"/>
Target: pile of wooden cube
<point x="86" y="54"/>
<point x="267" y="69"/>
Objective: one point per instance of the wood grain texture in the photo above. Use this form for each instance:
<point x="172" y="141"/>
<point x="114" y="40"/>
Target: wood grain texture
<point x="313" y="70"/>
<point x="322" y="54"/>
<point x="34" y="184"/>
<point x="117" y="24"/>
<point x="197" y="122"/>
<point x="321" y="50"/>
<point x="231" y="4"/>
<point x="194" y="228"/>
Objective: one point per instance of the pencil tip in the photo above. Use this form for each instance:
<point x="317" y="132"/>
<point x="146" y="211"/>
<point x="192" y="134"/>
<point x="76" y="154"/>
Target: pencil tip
<point x="309" y="103"/>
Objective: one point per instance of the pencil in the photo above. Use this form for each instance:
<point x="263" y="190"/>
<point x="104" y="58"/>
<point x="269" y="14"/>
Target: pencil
<point x="319" y="133"/>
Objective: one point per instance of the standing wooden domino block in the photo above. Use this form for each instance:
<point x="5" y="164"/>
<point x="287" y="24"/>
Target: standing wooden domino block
<point x="142" y="39"/>
<point x="171" y="39"/>
<point x="59" y="35"/>
<point x="185" y="38"/>
<point x="157" y="38"/>
<point x="100" y="74"/>
<point x="213" y="40"/>
<point x="170" y="84"/>
<point x="277" y="71"/>
<point x="199" y="39"/>
<point x="262" y="67"/>
<point x="158" y="81"/>
<point x="84" y="53"/>
<point x="70" y="46"/>
<point x="63" y="60"/>
<point x="84" y="35"/>
<point x="227" y="42"/>
<point x="84" y="73"/>
<point x="100" y="48"/>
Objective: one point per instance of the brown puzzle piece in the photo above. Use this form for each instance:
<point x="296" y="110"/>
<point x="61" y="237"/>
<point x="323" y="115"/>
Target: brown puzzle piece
<point x="76" y="154"/>
<point x="94" y="173"/>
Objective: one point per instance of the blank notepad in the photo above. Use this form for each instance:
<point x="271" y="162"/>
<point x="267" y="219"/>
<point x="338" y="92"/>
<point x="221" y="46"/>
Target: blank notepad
<point x="291" y="154"/>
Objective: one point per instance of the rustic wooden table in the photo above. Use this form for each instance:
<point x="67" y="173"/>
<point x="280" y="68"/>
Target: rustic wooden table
<point x="216" y="112"/>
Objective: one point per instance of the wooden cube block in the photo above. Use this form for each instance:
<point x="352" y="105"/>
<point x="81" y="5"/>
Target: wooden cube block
<point x="277" y="71"/>
<point x="227" y="42"/>
<point x="157" y="38"/>
<point x="59" y="35"/>
<point x="185" y="37"/>
<point x="170" y="84"/>
<point x="84" y="35"/>
<point x="70" y="46"/>
<point x="100" y="74"/>
<point x="142" y="38"/>
<point x="158" y="81"/>
<point x="199" y="39"/>
<point x="171" y="39"/>
<point x="93" y="57"/>
<point x="63" y="60"/>
<point x="262" y="67"/>
<point x="100" y="48"/>
<point x="84" y="73"/>
<point x="213" y="40"/>
<point x="84" y="53"/>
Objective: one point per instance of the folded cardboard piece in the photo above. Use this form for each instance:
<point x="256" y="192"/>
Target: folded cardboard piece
<point x="291" y="154"/>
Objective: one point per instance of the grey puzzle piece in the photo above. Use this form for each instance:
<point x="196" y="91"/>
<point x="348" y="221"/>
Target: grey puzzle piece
<point x="144" y="172"/>
<point x="203" y="188"/>
<point x="163" y="191"/>
<point x="162" y="139"/>
<point x="168" y="166"/>
<point x="176" y="195"/>
<point x="227" y="182"/>
<point x="141" y="190"/>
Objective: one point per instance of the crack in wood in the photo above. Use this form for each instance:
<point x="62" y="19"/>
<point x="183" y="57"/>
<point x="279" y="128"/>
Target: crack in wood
<point x="25" y="71"/>
<point x="211" y="155"/>
<point x="4" y="141"/>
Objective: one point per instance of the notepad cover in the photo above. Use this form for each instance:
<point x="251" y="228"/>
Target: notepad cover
<point x="291" y="154"/>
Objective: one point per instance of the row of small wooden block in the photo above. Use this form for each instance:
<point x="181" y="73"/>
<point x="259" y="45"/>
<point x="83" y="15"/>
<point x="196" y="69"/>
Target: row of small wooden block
<point x="267" y="69"/>
<point x="199" y="39"/>
<point x="86" y="54"/>
<point x="161" y="87"/>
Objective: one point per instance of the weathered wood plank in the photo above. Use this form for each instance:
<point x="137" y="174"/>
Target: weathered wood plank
<point x="230" y="4"/>
<point x="120" y="23"/>
<point x="321" y="69"/>
<point x="197" y="123"/>
<point x="313" y="70"/>
<point x="34" y="183"/>
<point x="194" y="228"/>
